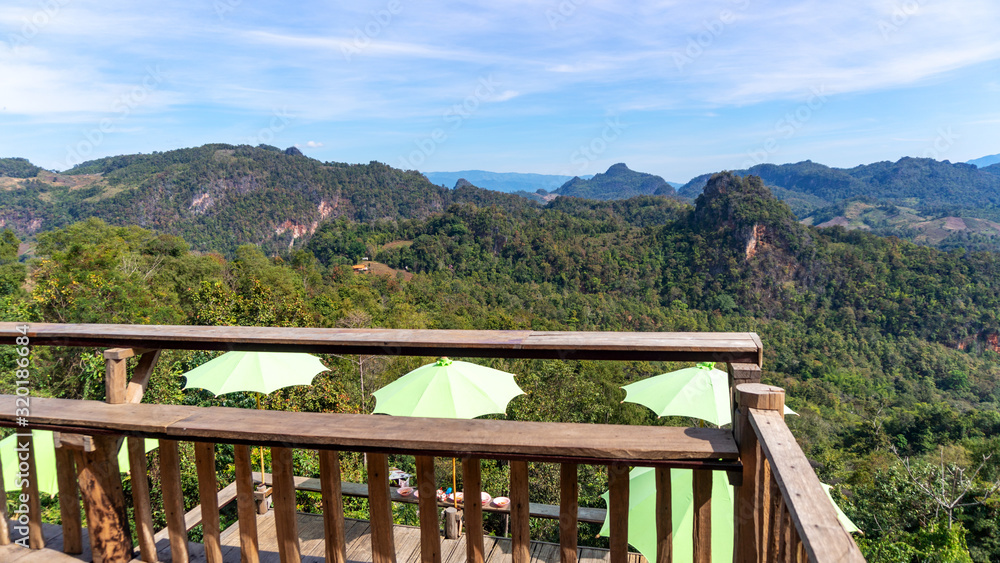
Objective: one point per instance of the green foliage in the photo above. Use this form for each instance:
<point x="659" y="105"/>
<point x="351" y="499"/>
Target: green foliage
<point x="18" y="168"/>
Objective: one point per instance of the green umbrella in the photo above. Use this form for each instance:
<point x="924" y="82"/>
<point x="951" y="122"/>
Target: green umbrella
<point x="263" y="372"/>
<point x="844" y="520"/>
<point x="642" y="514"/>
<point x="699" y="392"/>
<point x="44" y="450"/>
<point x="448" y="389"/>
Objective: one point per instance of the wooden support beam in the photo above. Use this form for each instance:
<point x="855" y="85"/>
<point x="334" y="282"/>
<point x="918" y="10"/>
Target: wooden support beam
<point x="204" y="459"/>
<point x="664" y="516"/>
<point x="115" y="380"/>
<point x="333" y="507"/>
<point x="472" y="489"/>
<point x="246" y="507"/>
<point x="285" y="523"/>
<point x="430" y="536"/>
<point x="69" y="501"/>
<point x="29" y="487"/>
<point x="104" y="500"/>
<point x="618" y="494"/>
<point x="520" y="528"/>
<point x="173" y="499"/>
<point x="380" y="509"/>
<point x="143" y="510"/>
<point x="569" y="507"/>
<point x="702" y="522"/>
<point x="751" y="508"/>
<point x="140" y="377"/>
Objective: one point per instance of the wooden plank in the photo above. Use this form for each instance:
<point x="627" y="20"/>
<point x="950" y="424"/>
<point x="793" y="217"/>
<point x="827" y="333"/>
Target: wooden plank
<point x="472" y="488"/>
<point x="140" y="499"/>
<point x="815" y="519"/>
<point x="520" y="528"/>
<point x="775" y="505"/>
<point x="69" y="501"/>
<point x="115" y="381"/>
<point x="140" y="376"/>
<point x="29" y="488"/>
<point x="702" y="521"/>
<point x="173" y="499"/>
<point x="333" y="507"/>
<point x="669" y="346"/>
<point x="430" y="536"/>
<point x="204" y="460"/>
<point x="664" y="516"/>
<point x="284" y="505"/>
<point x="380" y="509"/>
<point x="246" y="507"/>
<point x="639" y="445"/>
<point x="569" y="509"/>
<point x="618" y="494"/>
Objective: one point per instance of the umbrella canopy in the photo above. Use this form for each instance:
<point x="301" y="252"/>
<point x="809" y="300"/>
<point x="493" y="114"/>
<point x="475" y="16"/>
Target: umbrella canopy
<point x="700" y="392"/>
<point x="448" y="389"/>
<point x="844" y="520"/>
<point x="263" y="372"/>
<point x="45" y="460"/>
<point x="642" y="514"/>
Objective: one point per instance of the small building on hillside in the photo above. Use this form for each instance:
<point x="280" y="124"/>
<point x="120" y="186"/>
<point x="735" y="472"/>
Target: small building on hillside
<point x="360" y="268"/>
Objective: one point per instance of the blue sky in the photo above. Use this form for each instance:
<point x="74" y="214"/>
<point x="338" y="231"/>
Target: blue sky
<point x="676" y="88"/>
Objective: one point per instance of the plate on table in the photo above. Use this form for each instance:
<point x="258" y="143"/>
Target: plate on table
<point x="451" y="497"/>
<point x="406" y="491"/>
<point x="486" y="498"/>
<point x="501" y="502"/>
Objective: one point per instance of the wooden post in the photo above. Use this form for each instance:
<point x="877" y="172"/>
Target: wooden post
<point x="208" y="491"/>
<point x="140" y="498"/>
<point x="569" y="508"/>
<point x="430" y="536"/>
<point x="246" y="507"/>
<point x="702" y="521"/>
<point x="173" y="499"/>
<point x="751" y="497"/>
<point x="380" y="509"/>
<point x="520" y="528"/>
<point x="452" y="523"/>
<point x="104" y="500"/>
<point x="285" y="523"/>
<point x="664" y="516"/>
<point x="29" y="488"/>
<point x="333" y="507"/>
<point x="618" y="493"/>
<point x="472" y="489"/>
<point x="116" y="378"/>
<point x="69" y="499"/>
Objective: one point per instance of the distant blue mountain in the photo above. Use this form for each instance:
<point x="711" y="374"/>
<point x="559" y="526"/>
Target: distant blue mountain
<point x="509" y="182"/>
<point x="985" y="161"/>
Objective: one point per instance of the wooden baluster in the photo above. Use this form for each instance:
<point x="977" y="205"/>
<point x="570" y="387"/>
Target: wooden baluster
<point x="333" y="507"/>
<point x="569" y="510"/>
<point x="208" y="491"/>
<point x="140" y="498"/>
<point x="380" y="509"/>
<point x="776" y="505"/>
<point x="246" y="507"/>
<point x="520" y="528"/>
<point x="800" y="548"/>
<point x="4" y="526"/>
<point x="285" y="523"/>
<point x="430" y="537"/>
<point x="69" y="499"/>
<point x="664" y="517"/>
<point x="618" y="493"/>
<point x="779" y="547"/>
<point x="29" y="488"/>
<point x="173" y="499"/>
<point x="702" y="507"/>
<point x="472" y="489"/>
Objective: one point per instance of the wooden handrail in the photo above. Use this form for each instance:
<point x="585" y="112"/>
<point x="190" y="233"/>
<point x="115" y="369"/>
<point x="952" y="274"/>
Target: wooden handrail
<point x="710" y="448"/>
<point x="730" y="347"/>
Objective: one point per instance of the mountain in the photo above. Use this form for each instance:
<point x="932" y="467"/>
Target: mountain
<point x="617" y="183"/>
<point x="509" y="182"/>
<point x="985" y="161"/>
<point x="18" y="168"/>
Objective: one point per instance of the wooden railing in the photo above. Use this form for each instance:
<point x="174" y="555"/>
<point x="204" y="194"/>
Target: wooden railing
<point x="759" y="446"/>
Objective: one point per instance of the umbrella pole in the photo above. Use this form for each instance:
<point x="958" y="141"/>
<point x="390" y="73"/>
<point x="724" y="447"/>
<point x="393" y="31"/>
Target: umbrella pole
<point x="261" y="448"/>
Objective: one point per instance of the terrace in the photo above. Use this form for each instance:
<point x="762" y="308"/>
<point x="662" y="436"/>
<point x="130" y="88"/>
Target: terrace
<point x="781" y="512"/>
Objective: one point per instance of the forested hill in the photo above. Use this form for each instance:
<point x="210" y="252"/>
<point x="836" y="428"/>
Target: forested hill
<point x="619" y="182"/>
<point x="220" y="196"/>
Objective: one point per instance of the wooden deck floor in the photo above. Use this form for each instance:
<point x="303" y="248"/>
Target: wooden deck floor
<point x="407" y="540"/>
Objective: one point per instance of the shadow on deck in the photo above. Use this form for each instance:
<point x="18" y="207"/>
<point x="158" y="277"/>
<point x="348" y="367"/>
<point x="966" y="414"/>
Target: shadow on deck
<point x="406" y="538"/>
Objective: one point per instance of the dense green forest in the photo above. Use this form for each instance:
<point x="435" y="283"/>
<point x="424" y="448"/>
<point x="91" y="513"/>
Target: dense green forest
<point x="617" y="183"/>
<point x="888" y="350"/>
